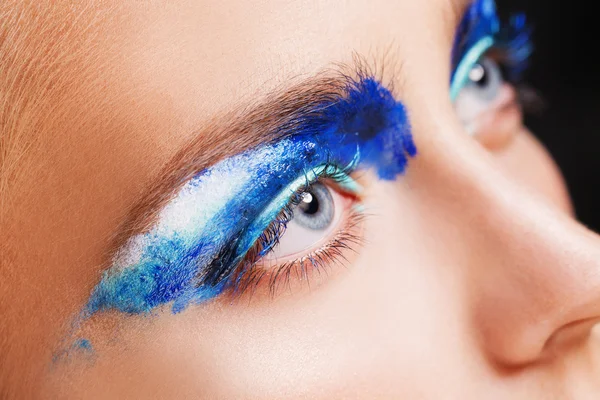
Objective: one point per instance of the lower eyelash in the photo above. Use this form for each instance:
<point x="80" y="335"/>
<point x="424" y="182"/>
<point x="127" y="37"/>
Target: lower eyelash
<point x="321" y="260"/>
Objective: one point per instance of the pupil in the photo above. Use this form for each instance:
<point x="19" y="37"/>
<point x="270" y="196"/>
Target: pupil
<point x="315" y="210"/>
<point x="309" y="204"/>
<point x="479" y="75"/>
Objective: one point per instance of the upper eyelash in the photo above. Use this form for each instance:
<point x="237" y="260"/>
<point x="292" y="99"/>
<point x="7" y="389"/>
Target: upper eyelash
<point x="513" y="43"/>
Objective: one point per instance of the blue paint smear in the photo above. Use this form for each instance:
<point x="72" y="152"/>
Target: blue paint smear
<point x="83" y="344"/>
<point x="512" y="39"/>
<point x="364" y="127"/>
<point x="79" y="346"/>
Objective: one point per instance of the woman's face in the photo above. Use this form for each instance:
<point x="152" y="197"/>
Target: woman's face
<point x="465" y="276"/>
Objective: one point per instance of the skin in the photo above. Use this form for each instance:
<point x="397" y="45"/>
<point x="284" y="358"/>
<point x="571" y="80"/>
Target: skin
<point x="475" y="280"/>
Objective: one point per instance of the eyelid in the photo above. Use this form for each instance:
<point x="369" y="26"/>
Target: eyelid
<point x="461" y="76"/>
<point x="339" y="175"/>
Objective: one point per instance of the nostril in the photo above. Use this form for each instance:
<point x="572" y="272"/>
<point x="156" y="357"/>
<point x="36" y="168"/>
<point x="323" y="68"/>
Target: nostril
<point x="523" y="349"/>
<point x="571" y="336"/>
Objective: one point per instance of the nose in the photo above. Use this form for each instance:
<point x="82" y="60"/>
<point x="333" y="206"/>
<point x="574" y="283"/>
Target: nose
<point x="540" y="276"/>
<point x="533" y="271"/>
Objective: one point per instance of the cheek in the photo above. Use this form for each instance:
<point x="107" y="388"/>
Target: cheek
<point x="530" y="164"/>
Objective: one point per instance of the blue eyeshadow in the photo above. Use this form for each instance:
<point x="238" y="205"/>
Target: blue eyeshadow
<point x="479" y="21"/>
<point x="204" y="233"/>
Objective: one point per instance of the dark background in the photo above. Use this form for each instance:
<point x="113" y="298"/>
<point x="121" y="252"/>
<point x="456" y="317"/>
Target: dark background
<point x="566" y="72"/>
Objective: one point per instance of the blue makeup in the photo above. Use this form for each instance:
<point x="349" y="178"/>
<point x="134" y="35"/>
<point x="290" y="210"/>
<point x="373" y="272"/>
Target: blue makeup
<point x="479" y="32"/>
<point x="203" y="234"/>
<point x="81" y="347"/>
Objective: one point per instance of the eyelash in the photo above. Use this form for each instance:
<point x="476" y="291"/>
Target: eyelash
<point x="249" y="274"/>
<point x="512" y="49"/>
<point x="513" y="46"/>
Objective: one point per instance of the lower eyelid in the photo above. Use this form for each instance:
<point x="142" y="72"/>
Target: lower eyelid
<point x="269" y="278"/>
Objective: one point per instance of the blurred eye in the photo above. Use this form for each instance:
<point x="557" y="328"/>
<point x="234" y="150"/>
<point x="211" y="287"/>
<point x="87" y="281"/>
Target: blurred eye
<point x="482" y="91"/>
<point x="319" y="215"/>
<point x="485" y="80"/>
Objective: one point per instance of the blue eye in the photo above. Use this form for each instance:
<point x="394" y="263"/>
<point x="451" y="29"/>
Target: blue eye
<point x="481" y="92"/>
<point x="320" y="217"/>
<point x="485" y="80"/>
<point x="466" y="70"/>
<point x="315" y="211"/>
<point x="481" y="32"/>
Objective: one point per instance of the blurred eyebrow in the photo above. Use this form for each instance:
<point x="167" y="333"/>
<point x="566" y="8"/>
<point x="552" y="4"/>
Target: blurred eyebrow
<point x="272" y="119"/>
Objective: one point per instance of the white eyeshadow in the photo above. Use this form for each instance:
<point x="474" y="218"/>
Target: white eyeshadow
<point x="200" y="199"/>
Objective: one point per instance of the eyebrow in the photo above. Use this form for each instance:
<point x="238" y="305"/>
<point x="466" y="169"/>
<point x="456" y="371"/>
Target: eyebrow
<point x="278" y="116"/>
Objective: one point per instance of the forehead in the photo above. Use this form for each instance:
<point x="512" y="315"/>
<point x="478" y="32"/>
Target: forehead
<point x="209" y="54"/>
<point x="217" y="53"/>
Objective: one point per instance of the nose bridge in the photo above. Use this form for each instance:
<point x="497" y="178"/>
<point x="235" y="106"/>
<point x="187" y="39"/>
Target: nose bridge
<point x="532" y="268"/>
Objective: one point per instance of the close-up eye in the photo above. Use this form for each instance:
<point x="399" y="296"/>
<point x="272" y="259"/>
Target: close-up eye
<point x="264" y="213"/>
<point x="312" y="233"/>
<point x="320" y="213"/>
